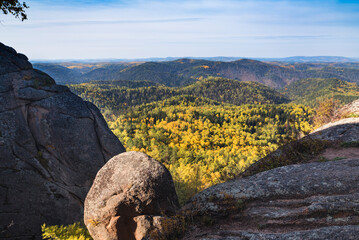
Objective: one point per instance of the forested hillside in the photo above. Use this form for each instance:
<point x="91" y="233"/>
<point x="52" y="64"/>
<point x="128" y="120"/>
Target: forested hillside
<point x="61" y="74"/>
<point x="204" y="142"/>
<point x="197" y="131"/>
<point x="211" y="130"/>
<point x="312" y="91"/>
<point x="117" y="98"/>
<point x="186" y="71"/>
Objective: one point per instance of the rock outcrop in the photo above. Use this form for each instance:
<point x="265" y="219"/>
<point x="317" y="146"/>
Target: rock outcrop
<point x="129" y="195"/>
<point x="350" y="109"/>
<point x="313" y="200"/>
<point x="52" y="144"/>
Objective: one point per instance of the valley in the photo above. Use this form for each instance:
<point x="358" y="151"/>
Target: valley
<point x="207" y="129"/>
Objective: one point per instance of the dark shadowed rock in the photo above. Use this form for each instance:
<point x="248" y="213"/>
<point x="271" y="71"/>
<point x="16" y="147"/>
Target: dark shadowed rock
<point x="315" y="200"/>
<point x="52" y="144"/>
<point x="127" y="196"/>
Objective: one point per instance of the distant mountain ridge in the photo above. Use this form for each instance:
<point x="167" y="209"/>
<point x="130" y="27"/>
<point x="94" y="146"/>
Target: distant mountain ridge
<point x="313" y="59"/>
<point x="218" y="58"/>
<point x="186" y="71"/>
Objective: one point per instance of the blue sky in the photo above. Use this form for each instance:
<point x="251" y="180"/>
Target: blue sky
<point x="203" y="28"/>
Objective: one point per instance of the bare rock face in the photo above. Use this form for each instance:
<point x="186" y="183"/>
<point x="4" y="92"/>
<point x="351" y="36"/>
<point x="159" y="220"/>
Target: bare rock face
<point x="299" y="200"/>
<point x="344" y="130"/>
<point x="314" y="200"/>
<point x="52" y="144"/>
<point x="350" y="109"/>
<point x="128" y="196"/>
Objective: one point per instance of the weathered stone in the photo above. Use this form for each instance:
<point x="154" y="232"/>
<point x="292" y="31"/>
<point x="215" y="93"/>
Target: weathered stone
<point x="293" y="198"/>
<point x="51" y="146"/>
<point x="144" y="225"/>
<point x="11" y="61"/>
<point x="332" y="233"/>
<point x="349" y="109"/>
<point x="344" y="130"/>
<point x="129" y="185"/>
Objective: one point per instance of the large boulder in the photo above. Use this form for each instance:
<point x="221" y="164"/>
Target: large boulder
<point x="129" y="195"/>
<point x="52" y="144"/>
<point x="313" y="200"/>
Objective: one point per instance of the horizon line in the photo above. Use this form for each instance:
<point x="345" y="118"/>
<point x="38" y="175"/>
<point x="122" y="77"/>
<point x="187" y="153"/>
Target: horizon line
<point x="185" y="57"/>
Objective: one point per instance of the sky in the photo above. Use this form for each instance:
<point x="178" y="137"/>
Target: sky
<point x="85" y="29"/>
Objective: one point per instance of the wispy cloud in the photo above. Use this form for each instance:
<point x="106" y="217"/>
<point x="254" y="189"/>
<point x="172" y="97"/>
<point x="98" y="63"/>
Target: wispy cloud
<point x="41" y="24"/>
<point x="139" y="28"/>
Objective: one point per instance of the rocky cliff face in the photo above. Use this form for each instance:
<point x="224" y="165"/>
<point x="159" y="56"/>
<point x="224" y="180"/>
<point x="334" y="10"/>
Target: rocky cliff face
<point x="52" y="144"/>
<point x="313" y="200"/>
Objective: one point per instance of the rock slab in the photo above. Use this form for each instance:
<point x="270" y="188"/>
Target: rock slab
<point x="128" y="196"/>
<point x="296" y="200"/>
<point x="52" y="143"/>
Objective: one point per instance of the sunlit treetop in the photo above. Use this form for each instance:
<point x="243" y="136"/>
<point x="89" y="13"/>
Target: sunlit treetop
<point x="15" y="8"/>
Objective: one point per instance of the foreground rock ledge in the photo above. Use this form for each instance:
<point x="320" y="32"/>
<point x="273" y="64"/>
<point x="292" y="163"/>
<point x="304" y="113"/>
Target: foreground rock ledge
<point x="129" y="195"/>
<point x="304" y="201"/>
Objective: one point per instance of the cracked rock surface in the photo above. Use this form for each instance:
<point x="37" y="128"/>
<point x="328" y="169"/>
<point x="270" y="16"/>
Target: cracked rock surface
<point x="52" y="143"/>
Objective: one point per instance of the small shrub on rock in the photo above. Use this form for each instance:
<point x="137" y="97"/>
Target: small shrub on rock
<point x="76" y="231"/>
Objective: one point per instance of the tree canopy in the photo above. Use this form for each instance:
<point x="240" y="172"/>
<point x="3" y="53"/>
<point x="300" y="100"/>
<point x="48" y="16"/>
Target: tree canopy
<point x="15" y="8"/>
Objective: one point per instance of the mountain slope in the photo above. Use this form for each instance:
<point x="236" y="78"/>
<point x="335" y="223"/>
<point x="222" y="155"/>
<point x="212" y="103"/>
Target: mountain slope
<point x="62" y="75"/>
<point x="186" y="71"/>
<point x="235" y="92"/>
<point x="312" y="90"/>
<point x="106" y="72"/>
<point x="217" y="89"/>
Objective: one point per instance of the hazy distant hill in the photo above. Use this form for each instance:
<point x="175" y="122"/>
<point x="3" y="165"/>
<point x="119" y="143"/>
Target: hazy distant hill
<point x="106" y="72"/>
<point x="313" y="90"/>
<point x="166" y="73"/>
<point x="325" y="59"/>
<point x="126" y="83"/>
<point x="62" y="75"/>
<point x="305" y="59"/>
<point x="67" y="72"/>
<point x="318" y="65"/>
<point x="186" y="71"/>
